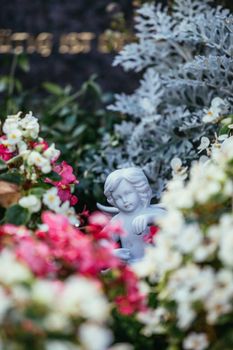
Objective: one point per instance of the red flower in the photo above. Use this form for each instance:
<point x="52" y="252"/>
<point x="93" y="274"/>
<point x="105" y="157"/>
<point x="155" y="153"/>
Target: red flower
<point x="149" y="238"/>
<point x="132" y="300"/>
<point x="5" y="153"/>
<point x="39" y="146"/>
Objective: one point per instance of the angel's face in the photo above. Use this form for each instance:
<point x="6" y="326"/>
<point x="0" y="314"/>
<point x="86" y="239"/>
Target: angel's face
<point x="125" y="197"/>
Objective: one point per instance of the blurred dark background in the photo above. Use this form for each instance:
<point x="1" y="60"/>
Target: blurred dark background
<point x="62" y="17"/>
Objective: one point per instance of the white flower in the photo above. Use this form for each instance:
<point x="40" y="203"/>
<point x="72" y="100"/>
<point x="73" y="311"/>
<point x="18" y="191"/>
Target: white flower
<point x="226" y="241"/>
<point x="205" y="142"/>
<point x="31" y="202"/>
<point x="61" y="345"/>
<point x="176" y="164"/>
<point x="206" y="181"/>
<point x="146" y="266"/>
<point x="220" y="300"/>
<point x="121" y="346"/>
<point x="165" y="257"/>
<point x="46" y="168"/>
<point x="82" y="297"/>
<point x="11" y="123"/>
<point x="190" y="283"/>
<point x="94" y="337"/>
<point x="30" y="126"/>
<point x="216" y="307"/>
<point x="227" y="147"/>
<point x="51" y="199"/>
<point x="5" y="304"/>
<point x="208" y="245"/>
<point x="44" y="292"/>
<point x="177" y="195"/>
<point x="16" y="271"/>
<point x="51" y="153"/>
<point x="57" y="322"/>
<point x="196" y="341"/>
<point x="172" y="222"/>
<point x="153" y="320"/>
<point x="20" y="294"/>
<point x="214" y="114"/>
<point x="178" y="171"/>
<point x="189" y="239"/>
<point x="35" y="158"/>
<point x="5" y="142"/>
<point x="69" y="211"/>
<point x="185" y="315"/>
<point x="22" y="146"/>
<point x="203" y="159"/>
<point x="14" y="137"/>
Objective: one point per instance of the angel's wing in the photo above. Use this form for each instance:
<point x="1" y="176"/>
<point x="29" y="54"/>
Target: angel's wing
<point x="110" y="210"/>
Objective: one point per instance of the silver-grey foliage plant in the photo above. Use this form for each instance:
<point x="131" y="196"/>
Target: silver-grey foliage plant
<point x="186" y="59"/>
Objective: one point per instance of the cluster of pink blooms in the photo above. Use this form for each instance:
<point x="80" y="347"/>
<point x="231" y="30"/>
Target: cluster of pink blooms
<point x="59" y="250"/>
<point x="65" y="171"/>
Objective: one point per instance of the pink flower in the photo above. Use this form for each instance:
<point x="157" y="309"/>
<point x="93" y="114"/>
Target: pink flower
<point x="66" y="172"/>
<point x="36" y="255"/>
<point x="101" y="227"/>
<point x="149" y="238"/>
<point x="132" y="300"/>
<point x="5" y="153"/>
<point x="59" y="228"/>
<point x="17" y="232"/>
<point x="64" y="184"/>
<point x="40" y="146"/>
<point x="78" y="251"/>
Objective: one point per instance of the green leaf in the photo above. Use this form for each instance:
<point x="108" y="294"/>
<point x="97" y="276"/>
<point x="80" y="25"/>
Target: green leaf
<point x="17" y="215"/>
<point x="54" y="176"/>
<point x="3" y="85"/>
<point x="23" y="63"/>
<point x="15" y="178"/>
<point x="53" y="88"/>
<point x="37" y="191"/>
<point x="79" y="130"/>
<point x="3" y="165"/>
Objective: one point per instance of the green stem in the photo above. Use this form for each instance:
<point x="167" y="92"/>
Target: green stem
<point x="11" y="81"/>
<point x="65" y="102"/>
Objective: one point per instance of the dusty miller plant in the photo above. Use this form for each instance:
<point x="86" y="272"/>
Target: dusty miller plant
<point x="185" y="58"/>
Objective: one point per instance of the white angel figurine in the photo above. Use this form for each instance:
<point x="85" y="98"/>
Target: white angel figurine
<point x="130" y="194"/>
